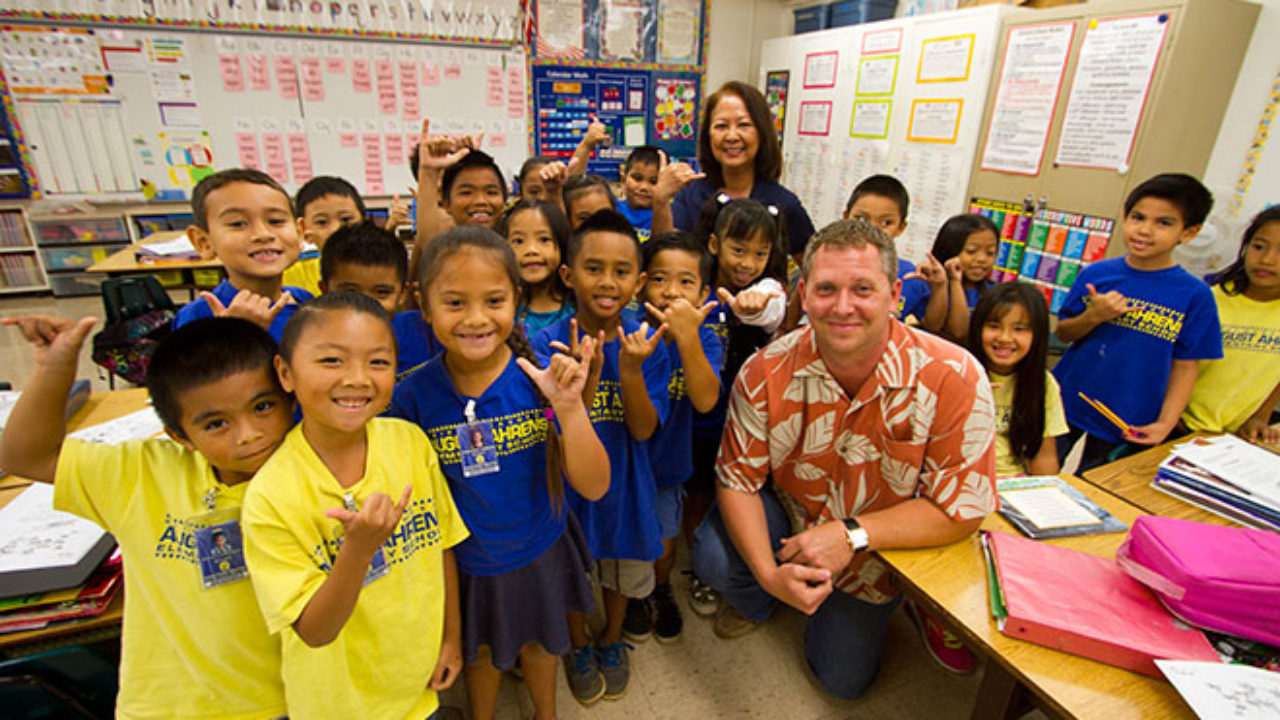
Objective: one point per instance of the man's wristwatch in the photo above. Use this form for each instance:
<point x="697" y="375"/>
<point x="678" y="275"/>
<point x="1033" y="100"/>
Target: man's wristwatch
<point x="856" y="535"/>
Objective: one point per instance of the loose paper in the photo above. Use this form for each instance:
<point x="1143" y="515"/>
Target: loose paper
<point x="820" y="69"/>
<point x="877" y="75"/>
<point x="1221" y="691"/>
<point x="33" y="535"/>
<point x="945" y="59"/>
<point x="1034" y="61"/>
<point x="1113" y="75"/>
<point x="138" y="425"/>
<point x="935" y="120"/>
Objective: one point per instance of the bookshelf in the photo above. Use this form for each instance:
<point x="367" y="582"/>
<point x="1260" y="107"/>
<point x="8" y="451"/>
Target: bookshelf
<point x="21" y="267"/>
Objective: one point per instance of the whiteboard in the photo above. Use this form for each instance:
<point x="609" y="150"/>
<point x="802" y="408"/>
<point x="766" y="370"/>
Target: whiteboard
<point x="929" y="72"/>
<point x="194" y="102"/>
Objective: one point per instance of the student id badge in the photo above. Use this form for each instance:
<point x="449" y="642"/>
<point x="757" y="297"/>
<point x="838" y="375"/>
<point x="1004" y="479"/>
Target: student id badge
<point x="220" y="548"/>
<point x="477" y="447"/>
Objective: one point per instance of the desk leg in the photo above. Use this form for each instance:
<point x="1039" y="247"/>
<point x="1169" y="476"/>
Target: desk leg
<point x="1000" y="696"/>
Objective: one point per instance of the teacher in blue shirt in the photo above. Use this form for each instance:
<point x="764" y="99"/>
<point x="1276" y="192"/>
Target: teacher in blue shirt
<point x="741" y="157"/>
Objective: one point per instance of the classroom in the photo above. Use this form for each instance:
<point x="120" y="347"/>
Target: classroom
<point x="565" y="315"/>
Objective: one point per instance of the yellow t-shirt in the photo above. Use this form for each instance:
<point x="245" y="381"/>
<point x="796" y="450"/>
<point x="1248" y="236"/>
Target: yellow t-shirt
<point x="304" y="274"/>
<point x="1055" y="420"/>
<point x="381" y="661"/>
<point x="1229" y="390"/>
<point x="187" y="652"/>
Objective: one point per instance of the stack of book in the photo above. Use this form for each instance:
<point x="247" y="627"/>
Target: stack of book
<point x="34" y="611"/>
<point x="1226" y="476"/>
<point x="167" y="248"/>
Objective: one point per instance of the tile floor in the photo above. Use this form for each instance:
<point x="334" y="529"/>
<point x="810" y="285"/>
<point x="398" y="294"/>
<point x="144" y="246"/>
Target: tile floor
<point x="762" y="675"/>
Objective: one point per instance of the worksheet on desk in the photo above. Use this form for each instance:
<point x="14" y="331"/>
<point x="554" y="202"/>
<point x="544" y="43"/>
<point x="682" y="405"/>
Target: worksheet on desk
<point x="33" y="535"/>
<point x="1239" y="462"/>
<point x="1221" y="691"/>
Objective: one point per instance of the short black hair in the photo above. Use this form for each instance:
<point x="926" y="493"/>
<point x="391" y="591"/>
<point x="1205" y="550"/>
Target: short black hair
<point x="322" y="185"/>
<point x="1186" y="193"/>
<point x="678" y="240"/>
<point x="643" y="155"/>
<point x="532" y="164"/>
<point x="579" y="185"/>
<point x="884" y="186"/>
<point x="956" y="230"/>
<point x="604" y="221"/>
<point x="222" y="178"/>
<point x="364" y="244"/>
<point x="201" y="352"/>
<point x="473" y="159"/>
<point x="309" y="311"/>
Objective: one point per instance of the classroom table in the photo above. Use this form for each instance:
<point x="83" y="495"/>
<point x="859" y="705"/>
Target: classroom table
<point x="951" y="581"/>
<point x="1129" y="479"/>
<point x="125" y="262"/>
<point x="99" y="408"/>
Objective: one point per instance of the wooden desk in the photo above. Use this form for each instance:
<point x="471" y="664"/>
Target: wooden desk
<point x="1129" y="479"/>
<point x="99" y="408"/>
<point x="952" y="582"/>
<point x="125" y="262"/>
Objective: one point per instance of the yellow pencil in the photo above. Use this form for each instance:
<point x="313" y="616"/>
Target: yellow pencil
<point x="1108" y="413"/>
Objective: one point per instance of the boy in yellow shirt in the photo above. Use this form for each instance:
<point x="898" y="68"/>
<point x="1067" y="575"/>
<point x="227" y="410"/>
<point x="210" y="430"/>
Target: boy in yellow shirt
<point x="323" y="205"/>
<point x="195" y="645"/>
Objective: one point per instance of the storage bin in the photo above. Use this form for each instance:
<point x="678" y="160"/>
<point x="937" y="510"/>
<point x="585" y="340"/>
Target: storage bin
<point x="856" y="12"/>
<point x="811" y="18"/>
<point x="75" y="257"/>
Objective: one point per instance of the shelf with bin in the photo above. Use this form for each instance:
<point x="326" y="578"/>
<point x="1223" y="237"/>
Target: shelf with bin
<point x="21" y="267"/>
<point x="69" y="245"/>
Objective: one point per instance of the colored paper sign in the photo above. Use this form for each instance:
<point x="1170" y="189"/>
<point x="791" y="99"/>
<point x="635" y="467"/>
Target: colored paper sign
<point x="300" y="157"/>
<point x="232" y="73"/>
<point x="259" y="74"/>
<point x="1026" y="97"/>
<point x="312" y="79"/>
<point x="361" y="79"/>
<point x="273" y="155"/>
<point x="287" y="77"/>
<point x="247" y="150"/>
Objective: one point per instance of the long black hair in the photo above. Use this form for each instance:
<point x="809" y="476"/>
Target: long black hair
<point x="741" y="219"/>
<point x="1026" y="421"/>
<point x="1233" y="279"/>
<point x="559" y="226"/>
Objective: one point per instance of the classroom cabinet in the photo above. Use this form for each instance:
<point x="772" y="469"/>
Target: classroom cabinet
<point x="21" y="267"/>
<point x="69" y="245"/>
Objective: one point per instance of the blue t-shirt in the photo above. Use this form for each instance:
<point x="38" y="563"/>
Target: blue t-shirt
<point x="973" y="294"/>
<point x="533" y="322"/>
<point x="672" y="444"/>
<point x="914" y="299"/>
<point x="415" y="341"/>
<point x="1125" y="362"/>
<point x="640" y="218"/>
<point x="687" y="206"/>
<point x="509" y="512"/>
<point x="226" y="292"/>
<point x="623" y="523"/>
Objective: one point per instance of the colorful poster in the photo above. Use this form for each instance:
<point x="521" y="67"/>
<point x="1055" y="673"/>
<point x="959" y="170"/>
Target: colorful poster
<point x="561" y="29"/>
<point x="188" y="156"/>
<point x="945" y="59"/>
<point x="679" y="29"/>
<point x="935" y="120"/>
<point x="776" y="85"/>
<point x="675" y="112"/>
<point x="622" y="30"/>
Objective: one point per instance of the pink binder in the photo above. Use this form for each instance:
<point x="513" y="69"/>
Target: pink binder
<point x="1088" y="606"/>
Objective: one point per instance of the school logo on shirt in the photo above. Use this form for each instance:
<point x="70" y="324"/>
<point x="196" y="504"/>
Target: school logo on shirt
<point x="177" y="541"/>
<point x="1155" y="320"/>
<point x="419" y="528"/>
<point x="1248" y="338"/>
<point x="511" y="433"/>
<point x="607" y="405"/>
<point x="675" y="388"/>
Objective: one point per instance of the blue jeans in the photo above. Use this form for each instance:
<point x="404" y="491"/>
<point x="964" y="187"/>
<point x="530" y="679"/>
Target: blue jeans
<point x="844" y="638"/>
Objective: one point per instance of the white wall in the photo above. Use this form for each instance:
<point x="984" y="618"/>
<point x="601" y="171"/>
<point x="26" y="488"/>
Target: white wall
<point x="1219" y="241"/>
<point x="738" y="29"/>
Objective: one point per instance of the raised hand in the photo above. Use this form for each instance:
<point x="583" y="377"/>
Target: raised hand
<point x="577" y="347"/>
<point x="562" y="380"/>
<point x="399" y="213"/>
<point x="597" y="134"/>
<point x="638" y="346"/>
<point x="438" y="152"/>
<point x="366" y="530"/>
<point x="55" y="341"/>
<point x="672" y="177"/>
<point x="682" y="318"/>
<point x="1106" y="306"/>
<point x="747" y="302"/>
<point x="932" y="272"/>
<point x="553" y="175"/>
<point x="249" y="306"/>
<point x="955" y="273"/>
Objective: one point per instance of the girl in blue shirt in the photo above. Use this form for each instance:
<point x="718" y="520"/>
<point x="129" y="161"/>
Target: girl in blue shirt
<point x="966" y="248"/>
<point x="538" y="233"/>
<point x="492" y="416"/>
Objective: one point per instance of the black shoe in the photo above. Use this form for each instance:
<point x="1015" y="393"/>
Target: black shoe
<point x="638" y="624"/>
<point x="667" y="622"/>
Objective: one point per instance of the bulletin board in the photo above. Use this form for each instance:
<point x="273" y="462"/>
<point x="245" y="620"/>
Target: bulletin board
<point x="901" y="96"/>
<point x="640" y="107"/>
<point x="177" y="104"/>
